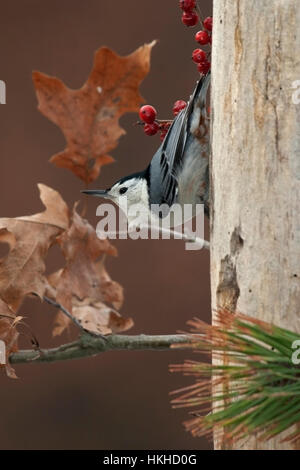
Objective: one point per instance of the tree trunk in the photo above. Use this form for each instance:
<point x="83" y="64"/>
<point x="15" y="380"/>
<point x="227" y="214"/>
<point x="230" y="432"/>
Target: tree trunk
<point x="255" y="165"/>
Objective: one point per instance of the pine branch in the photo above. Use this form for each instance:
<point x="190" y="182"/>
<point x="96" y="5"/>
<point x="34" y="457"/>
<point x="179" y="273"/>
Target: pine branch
<point x="87" y="346"/>
<point x="253" y="386"/>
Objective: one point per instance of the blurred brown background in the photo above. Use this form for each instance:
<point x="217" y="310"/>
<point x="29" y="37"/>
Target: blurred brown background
<point x="118" y="400"/>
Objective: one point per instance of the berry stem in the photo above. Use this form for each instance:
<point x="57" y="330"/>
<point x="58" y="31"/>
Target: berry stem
<point x="200" y="15"/>
<point x="164" y="121"/>
<point x="159" y="121"/>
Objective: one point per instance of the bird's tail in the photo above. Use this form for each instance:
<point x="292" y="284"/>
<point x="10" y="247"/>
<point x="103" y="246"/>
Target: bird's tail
<point x="200" y="93"/>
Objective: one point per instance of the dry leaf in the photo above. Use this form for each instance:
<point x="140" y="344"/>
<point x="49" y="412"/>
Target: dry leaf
<point x="29" y="238"/>
<point x="112" y="291"/>
<point x="81" y="248"/>
<point x="95" y="317"/>
<point x="84" y="285"/>
<point x="89" y="117"/>
<point x="9" y="335"/>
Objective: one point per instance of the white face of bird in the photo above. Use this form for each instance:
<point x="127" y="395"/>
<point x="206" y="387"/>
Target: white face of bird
<point x="125" y="194"/>
<point x="129" y="192"/>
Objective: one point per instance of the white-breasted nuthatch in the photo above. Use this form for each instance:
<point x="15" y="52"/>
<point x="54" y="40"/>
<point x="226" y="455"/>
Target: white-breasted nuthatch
<point x="179" y="170"/>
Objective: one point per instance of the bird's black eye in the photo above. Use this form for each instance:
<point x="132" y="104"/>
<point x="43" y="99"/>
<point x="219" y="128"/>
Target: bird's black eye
<point x="123" y="190"/>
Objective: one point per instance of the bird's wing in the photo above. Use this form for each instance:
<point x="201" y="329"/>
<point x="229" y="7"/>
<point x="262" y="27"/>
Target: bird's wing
<point x="168" y="158"/>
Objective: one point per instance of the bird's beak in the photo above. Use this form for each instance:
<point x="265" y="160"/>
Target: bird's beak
<point x="96" y="192"/>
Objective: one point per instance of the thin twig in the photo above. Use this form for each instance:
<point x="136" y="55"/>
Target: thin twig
<point x="200" y="15"/>
<point x="88" y="345"/>
<point x="177" y="235"/>
<point x="73" y="319"/>
<point x="159" y="121"/>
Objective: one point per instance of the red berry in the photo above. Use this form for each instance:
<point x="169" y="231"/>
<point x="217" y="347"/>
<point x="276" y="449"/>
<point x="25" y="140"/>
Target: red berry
<point x="164" y="126"/>
<point x="187" y="4"/>
<point x="208" y="23"/>
<point x="147" y="113"/>
<point x="199" y="56"/>
<point x="151" y="129"/>
<point x="178" y="106"/>
<point x="163" y="135"/>
<point x="202" y="37"/>
<point x="204" y="67"/>
<point x="190" y="18"/>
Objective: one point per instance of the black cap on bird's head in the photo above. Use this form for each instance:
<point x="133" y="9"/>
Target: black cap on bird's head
<point x="120" y="187"/>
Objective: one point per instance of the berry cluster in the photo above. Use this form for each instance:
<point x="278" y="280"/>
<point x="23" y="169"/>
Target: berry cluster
<point x="204" y="38"/>
<point x="151" y="125"/>
<point x="189" y="15"/>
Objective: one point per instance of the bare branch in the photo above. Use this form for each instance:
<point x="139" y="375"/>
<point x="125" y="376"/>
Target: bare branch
<point x="88" y="345"/>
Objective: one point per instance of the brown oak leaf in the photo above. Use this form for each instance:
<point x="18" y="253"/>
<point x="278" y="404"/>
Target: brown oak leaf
<point x="112" y="291"/>
<point x="29" y="238"/>
<point x="83" y="285"/>
<point x="95" y="317"/>
<point x="89" y="117"/>
<point x="81" y="248"/>
<point x="8" y="334"/>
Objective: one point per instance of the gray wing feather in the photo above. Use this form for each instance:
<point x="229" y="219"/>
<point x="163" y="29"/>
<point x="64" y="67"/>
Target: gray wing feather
<point x="168" y="158"/>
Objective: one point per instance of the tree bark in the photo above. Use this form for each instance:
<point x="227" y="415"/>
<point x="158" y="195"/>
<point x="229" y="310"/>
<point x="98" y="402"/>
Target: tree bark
<point x="255" y="165"/>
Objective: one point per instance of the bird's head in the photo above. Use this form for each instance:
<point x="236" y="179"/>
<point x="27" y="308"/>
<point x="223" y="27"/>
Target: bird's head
<point x="132" y="189"/>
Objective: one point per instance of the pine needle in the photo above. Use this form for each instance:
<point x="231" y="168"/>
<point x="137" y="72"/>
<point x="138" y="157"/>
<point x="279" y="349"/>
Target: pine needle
<point x="253" y="385"/>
